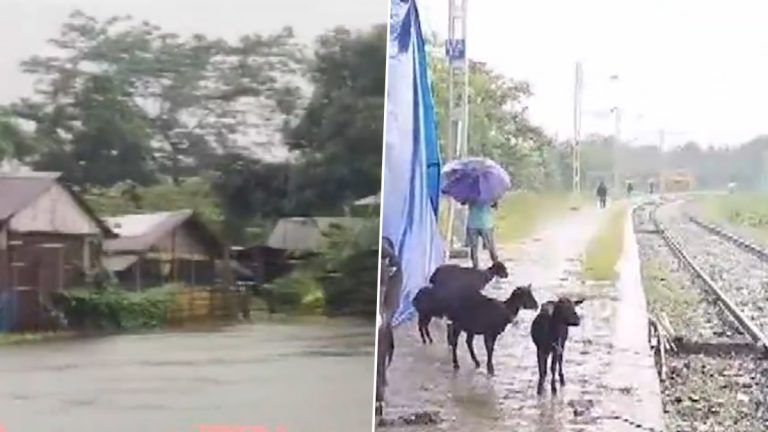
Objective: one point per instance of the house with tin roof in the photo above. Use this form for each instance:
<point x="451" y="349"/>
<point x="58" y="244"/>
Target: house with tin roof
<point x="50" y="238"/>
<point x="159" y="248"/>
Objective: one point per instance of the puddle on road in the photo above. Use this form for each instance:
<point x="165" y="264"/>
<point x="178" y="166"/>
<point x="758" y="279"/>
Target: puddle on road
<point x="422" y="379"/>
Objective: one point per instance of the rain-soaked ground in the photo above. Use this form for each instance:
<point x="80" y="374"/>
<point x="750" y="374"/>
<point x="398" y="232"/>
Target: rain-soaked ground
<point x="422" y="378"/>
<point x="302" y="375"/>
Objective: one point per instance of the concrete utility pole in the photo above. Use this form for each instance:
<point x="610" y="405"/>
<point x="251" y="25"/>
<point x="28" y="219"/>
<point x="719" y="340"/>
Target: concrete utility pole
<point x="576" y="161"/>
<point x="458" y="100"/>
<point x="616" y="135"/>
<point x="616" y="142"/>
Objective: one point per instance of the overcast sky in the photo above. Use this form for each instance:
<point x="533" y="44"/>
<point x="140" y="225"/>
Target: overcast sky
<point x="697" y="68"/>
<point x="25" y="25"/>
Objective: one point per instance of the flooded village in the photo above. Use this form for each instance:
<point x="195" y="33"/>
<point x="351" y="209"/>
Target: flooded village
<point x="186" y="238"/>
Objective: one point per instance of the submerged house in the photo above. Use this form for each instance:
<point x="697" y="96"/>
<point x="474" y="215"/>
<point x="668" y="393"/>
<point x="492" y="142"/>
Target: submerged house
<point x="49" y="237"/>
<point x="158" y="248"/>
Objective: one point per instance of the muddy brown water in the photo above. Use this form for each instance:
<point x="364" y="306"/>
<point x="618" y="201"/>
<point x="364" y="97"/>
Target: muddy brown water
<point x="266" y="374"/>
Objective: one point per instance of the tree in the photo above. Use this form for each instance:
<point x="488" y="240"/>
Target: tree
<point x="339" y="136"/>
<point x="498" y="126"/>
<point x="15" y="143"/>
<point x="196" y="97"/>
<point x="250" y="189"/>
<point x="112" y="143"/>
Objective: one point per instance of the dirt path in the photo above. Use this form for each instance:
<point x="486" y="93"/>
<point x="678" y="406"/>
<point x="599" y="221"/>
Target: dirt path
<point x="422" y="378"/>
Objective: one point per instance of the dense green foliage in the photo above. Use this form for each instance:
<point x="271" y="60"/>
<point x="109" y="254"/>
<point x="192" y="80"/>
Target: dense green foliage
<point x="499" y="128"/>
<point x="121" y="100"/>
<point x="114" y="309"/>
<point x="139" y="119"/>
<point x="339" y="281"/>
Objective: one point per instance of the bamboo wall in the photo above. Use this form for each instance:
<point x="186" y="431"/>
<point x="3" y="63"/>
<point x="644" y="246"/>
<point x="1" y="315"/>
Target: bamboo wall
<point x="199" y="304"/>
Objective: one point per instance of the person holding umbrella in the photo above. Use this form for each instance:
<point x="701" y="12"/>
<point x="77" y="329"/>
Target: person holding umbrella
<point x="480" y="226"/>
<point x="478" y="183"/>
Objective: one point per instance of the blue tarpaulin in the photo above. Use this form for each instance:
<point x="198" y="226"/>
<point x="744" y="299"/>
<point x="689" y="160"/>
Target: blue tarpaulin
<point x="411" y="185"/>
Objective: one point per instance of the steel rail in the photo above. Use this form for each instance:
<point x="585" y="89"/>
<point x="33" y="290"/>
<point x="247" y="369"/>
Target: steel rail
<point x="745" y="323"/>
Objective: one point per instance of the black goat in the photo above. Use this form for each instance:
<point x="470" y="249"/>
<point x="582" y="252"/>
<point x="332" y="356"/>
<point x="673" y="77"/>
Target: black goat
<point x="549" y="332"/>
<point x="390" y="284"/>
<point x="481" y="315"/>
<point x="449" y="283"/>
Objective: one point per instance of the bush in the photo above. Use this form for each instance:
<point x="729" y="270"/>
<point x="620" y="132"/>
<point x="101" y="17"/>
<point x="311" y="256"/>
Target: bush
<point x="297" y="291"/>
<point x="353" y="290"/>
<point x="114" y="309"/>
<point x="342" y="280"/>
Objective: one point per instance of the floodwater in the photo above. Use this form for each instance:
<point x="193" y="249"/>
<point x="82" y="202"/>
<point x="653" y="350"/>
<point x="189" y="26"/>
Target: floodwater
<point x="300" y="375"/>
<point x="422" y="377"/>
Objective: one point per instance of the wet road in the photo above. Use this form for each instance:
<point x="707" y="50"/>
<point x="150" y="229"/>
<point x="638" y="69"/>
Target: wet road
<point x="304" y="376"/>
<point x="422" y="378"/>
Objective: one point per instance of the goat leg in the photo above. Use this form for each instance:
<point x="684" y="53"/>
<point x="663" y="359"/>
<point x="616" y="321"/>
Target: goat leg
<point x="555" y="356"/>
<point x="560" y="369"/>
<point x="423" y="328"/>
<point x="391" y="348"/>
<point x="541" y="356"/>
<point x="453" y="339"/>
<point x="471" y="348"/>
<point x="490" y="342"/>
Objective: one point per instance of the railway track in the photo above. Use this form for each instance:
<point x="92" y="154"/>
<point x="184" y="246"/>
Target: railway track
<point x="753" y="330"/>
<point x="715" y="378"/>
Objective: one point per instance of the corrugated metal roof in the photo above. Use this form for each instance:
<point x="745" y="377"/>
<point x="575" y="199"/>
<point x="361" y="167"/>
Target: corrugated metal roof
<point x="138" y="232"/>
<point x="306" y="233"/>
<point x="20" y="189"/>
<point x="17" y="191"/>
<point x="369" y="201"/>
<point x="117" y="263"/>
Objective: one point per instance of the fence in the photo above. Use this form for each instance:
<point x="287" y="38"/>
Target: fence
<point x="199" y="304"/>
<point x="25" y="310"/>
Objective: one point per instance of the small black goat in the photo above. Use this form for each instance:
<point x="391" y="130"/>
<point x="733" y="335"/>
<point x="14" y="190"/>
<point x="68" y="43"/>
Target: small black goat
<point x="448" y="284"/>
<point x="481" y="315"/>
<point x="549" y="332"/>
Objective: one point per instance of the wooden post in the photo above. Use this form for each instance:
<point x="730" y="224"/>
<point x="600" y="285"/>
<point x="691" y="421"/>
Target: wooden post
<point x="228" y="277"/>
<point x="137" y="273"/>
<point x="174" y="263"/>
<point x="60" y="286"/>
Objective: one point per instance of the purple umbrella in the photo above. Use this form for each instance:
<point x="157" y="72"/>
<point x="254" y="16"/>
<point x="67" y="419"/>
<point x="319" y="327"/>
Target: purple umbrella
<point x="475" y="180"/>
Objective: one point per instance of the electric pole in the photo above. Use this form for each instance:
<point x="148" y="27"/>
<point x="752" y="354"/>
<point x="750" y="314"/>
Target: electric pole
<point x="458" y="99"/>
<point x="616" y="137"/>
<point x="577" y="131"/>
<point x="616" y="142"/>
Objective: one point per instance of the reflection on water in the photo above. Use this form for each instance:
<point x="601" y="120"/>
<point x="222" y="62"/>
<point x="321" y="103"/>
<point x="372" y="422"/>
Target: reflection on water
<point x="276" y="373"/>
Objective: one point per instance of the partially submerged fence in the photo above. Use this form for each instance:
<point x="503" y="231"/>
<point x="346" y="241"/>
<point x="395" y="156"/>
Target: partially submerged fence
<point x="28" y="310"/>
<point x="199" y="304"/>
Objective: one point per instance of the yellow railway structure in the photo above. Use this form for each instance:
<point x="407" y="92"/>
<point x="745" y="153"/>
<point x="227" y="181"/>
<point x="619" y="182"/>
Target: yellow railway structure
<point x="677" y="181"/>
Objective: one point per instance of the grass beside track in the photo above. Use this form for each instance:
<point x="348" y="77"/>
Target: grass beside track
<point x="605" y="247"/>
<point x="747" y="211"/>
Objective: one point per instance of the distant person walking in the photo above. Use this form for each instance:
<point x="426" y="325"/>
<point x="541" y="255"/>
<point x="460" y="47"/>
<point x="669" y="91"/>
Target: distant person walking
<point x="651" y="187"/>
<point x="630" y="188"/>
<point x="480" y="225"/>
<point x="602" y="193"/>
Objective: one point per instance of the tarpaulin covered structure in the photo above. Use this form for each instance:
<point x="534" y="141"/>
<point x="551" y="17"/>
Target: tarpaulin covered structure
<point x="411" y="186"/>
